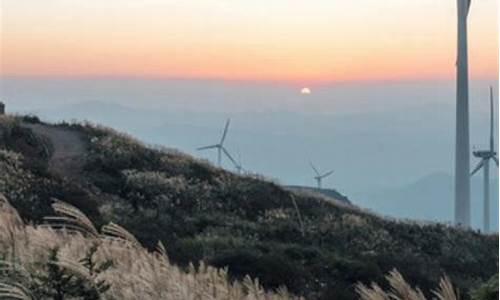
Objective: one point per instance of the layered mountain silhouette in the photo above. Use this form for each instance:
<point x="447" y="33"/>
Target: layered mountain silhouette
<point x="431" y="198"/>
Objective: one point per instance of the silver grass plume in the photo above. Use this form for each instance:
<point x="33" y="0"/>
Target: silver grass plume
<point x="71" y="219"/>
<point x="116" y="232"/>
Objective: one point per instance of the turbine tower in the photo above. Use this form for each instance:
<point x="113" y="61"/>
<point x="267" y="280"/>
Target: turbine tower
<point x="220" y="146"/>
<point x="238" y="165"/>
<point x="462" y="147"/>
<point x="484" y="163"/>
<point x="319" y="177"/>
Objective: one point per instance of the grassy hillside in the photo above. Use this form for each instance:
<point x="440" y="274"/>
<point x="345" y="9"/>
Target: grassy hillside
<point x="317" y="248"/>
<point x="69" y="258"/>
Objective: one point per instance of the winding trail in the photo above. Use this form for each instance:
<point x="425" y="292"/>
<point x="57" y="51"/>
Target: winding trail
<point x="69" y="149"/>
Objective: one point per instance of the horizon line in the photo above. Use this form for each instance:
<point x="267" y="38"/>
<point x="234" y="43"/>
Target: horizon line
<point x="295" y="82"/>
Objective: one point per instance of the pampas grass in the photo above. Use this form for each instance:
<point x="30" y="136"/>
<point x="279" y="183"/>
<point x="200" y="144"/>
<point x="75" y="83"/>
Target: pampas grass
<point x="446" y="290"/>
<point x="113" y="231"/>
<point x="71" y="218"/>
<point x="401" y="290"/>
<point x="11" y="291"/>
<point x="135" y="272"/>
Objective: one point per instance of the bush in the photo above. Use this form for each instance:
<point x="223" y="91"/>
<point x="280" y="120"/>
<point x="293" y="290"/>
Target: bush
<point x="487" y="291"/>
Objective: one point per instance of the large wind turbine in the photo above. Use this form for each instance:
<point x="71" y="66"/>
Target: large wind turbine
<point x="462" y="147"/>
<point x="319" y="177"/>
<point x="220" y="146"/>
<point x="485" y="156"/>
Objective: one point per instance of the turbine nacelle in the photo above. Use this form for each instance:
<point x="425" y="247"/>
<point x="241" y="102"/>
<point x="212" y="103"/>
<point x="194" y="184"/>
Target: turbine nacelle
<point x="484" y="154"/>
<point x="222" y="150"/>
<point x="319" y="177"/>
<point x="220" y="146"/>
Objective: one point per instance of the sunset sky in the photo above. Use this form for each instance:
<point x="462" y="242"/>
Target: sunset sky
<point x="284" y="40"/>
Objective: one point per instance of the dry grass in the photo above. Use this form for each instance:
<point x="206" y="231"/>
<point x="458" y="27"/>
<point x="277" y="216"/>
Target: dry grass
<point x="401" y="290"/>
<point x="134" y="272"/>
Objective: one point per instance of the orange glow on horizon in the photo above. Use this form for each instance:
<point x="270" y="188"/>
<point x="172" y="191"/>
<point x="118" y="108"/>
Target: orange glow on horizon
<point x="86" y="39"/>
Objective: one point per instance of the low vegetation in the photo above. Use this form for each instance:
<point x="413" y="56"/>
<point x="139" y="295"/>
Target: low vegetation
<point x="317" y="249"/>
<point x="69" y="259"/>
<point x="401" y="290"/>
<point x="488" y="290"/>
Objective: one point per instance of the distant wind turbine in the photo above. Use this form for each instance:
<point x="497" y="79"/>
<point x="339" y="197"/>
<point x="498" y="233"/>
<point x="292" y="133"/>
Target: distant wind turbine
<point x="484" y="163"/>
<point x="462" y="146"/>
<point x="220" y="146"/>
<point x="319" y="177"/>
<point x="238" y="165"/>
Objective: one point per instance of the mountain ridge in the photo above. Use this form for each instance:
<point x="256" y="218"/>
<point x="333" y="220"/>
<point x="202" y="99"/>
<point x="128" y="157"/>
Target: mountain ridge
<point x="318" y="249"/>
<point x="433" y="190"/>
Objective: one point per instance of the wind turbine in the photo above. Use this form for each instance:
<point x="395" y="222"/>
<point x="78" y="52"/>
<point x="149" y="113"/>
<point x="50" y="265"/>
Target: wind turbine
<point x="319" y="177"/>
<point x="484" y="163"/>
<point x="238" y="165"/>
<point x="220" y="146"/>
<point x="462" y="146"/>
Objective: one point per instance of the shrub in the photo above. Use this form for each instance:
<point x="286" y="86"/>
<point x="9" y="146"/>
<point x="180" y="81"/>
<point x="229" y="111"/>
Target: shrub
<point x="487" y="291"/>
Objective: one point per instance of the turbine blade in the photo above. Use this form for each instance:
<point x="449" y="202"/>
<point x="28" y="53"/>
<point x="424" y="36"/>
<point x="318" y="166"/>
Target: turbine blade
<point x="492" y="141"/>
<point x="495" y="159"/>
<point x="314" y="168"/>
<point x="478" y="167"/>
<point x="327" y="174"/>
<point x="207" y="147"/>
<point x="229" y="156"/>
<point x="225" y="131"/>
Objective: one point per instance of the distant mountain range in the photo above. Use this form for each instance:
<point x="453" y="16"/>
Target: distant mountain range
<point x="430" y="198"/>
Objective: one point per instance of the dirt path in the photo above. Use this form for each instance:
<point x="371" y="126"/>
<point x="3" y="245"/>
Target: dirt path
<point x="69" y="149"/>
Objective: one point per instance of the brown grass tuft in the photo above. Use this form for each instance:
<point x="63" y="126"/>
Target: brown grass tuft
<point x="71" y="218"/>
<point x="401" y="290"/>
<point x="135" y="271"/>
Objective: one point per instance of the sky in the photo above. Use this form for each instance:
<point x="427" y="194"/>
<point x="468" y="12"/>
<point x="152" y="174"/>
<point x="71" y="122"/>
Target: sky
<point x="305" y="42"/>
<point x="381" y="112"/>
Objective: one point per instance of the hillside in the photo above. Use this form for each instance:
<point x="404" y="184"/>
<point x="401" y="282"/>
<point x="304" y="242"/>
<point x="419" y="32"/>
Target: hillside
<point x="329" y="193"/>
<point x="317" y="248"/>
